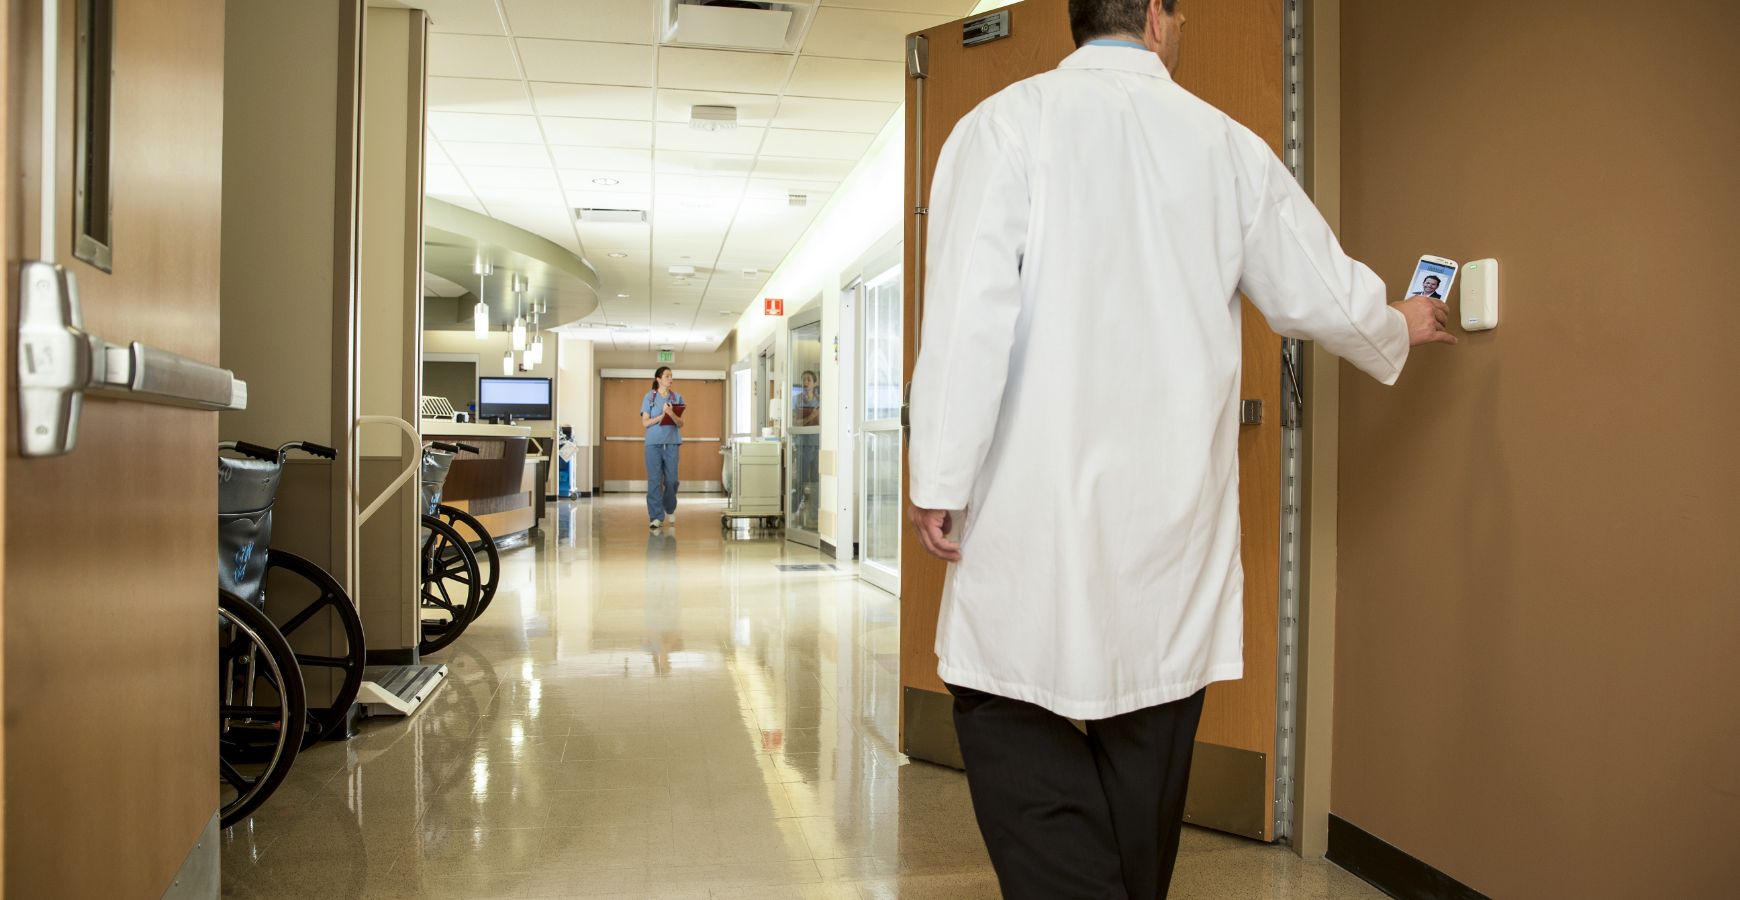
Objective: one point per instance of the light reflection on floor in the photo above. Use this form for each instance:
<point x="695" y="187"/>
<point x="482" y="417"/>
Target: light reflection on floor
<point x="661" y="714"/>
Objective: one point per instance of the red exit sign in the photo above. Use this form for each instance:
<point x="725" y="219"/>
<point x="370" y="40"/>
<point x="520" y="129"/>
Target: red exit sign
<point x="775" y="307"/>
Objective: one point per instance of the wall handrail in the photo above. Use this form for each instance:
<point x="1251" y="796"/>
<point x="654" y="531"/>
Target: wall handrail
<point x="399" y="482"/>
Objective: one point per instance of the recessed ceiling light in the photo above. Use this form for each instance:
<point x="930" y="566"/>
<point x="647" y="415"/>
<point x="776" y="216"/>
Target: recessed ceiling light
<point x="618" y="255"/>
<point x="622" y="295"/>
<point x="605" y="181"/>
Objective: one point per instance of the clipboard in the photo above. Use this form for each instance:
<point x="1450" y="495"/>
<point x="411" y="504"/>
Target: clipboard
<point x="675" y="408"/>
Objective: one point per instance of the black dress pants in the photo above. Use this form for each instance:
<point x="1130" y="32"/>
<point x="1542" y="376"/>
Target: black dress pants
<point x="1068" y="815"/>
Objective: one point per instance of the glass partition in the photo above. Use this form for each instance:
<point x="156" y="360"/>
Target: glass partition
<point x="881" y="354"/>
<point x="803" y="508"/>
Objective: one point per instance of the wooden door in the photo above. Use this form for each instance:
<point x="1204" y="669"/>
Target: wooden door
<point x="1232" y="57"/>
<point x="110" y="582"/>
<point x="699" y="465"/>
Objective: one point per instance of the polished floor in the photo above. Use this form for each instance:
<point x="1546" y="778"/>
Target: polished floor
<point x="663" y="715"/>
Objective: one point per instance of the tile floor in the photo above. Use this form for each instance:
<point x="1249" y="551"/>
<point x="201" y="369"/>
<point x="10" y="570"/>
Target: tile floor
<point x="663" y="715"/>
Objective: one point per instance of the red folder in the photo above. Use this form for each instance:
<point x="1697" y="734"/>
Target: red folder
<point x="675" y="408"/>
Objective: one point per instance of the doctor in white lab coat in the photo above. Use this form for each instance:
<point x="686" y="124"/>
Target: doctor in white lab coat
<point x="1075" y="432"/>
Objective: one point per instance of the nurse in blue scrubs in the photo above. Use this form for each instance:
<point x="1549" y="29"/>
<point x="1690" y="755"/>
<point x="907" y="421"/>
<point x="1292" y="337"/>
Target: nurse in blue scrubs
<point x="663" y="443"/>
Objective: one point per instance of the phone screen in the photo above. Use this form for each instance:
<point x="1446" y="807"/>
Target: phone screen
<point x="1433" y="279"/>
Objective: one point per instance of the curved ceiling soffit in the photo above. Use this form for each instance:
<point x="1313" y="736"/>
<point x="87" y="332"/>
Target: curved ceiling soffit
<point x="455" y="239"/>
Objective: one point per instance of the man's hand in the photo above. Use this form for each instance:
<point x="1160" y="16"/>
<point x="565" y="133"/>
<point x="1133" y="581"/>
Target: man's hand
<point x="1426" y="319"/>
<point x="933" y="527"/>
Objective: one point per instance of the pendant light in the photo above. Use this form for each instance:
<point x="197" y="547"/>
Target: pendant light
<point x="519" y="324"/>
<point x="480" y="313"/>
<point x="507" y="363"/>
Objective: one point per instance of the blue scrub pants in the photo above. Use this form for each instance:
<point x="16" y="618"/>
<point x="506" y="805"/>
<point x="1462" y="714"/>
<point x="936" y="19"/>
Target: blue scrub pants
<point x="661" y="480"/>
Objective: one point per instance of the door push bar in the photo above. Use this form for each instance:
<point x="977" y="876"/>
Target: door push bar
<point x="59" y="362"/>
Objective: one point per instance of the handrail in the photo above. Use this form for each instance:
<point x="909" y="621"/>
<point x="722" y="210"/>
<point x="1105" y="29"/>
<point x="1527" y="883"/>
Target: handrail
<point x="399" y="482"/>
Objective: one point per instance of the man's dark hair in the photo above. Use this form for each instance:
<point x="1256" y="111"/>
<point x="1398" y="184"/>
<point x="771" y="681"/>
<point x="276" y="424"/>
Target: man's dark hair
<point x="1090" y="19"/>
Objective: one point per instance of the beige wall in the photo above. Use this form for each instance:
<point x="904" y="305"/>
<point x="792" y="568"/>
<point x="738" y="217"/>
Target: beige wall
<point x="1537" y="614"/>
<point x="576" y="397"/>
<point x="289" y="326"/>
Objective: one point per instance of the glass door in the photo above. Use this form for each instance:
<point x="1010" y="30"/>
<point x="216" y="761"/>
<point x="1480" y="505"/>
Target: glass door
<point x="879" y="354"/>
<point x="803" y="475"/>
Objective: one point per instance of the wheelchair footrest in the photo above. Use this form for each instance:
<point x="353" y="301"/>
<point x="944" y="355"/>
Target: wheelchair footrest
<point x="398" y="690"/>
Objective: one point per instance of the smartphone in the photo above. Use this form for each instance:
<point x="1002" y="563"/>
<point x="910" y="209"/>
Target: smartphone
<point x="1433" y="277"/>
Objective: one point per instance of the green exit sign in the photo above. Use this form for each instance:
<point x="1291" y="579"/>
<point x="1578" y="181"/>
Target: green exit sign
<point x="667" y="356"/>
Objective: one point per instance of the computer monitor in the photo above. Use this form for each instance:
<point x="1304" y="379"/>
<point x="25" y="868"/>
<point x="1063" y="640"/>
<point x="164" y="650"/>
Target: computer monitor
<point x="514" y="398"/>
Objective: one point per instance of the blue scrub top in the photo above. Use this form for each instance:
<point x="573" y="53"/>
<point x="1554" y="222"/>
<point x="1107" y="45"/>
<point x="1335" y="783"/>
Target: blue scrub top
<point x="654" y="405"/>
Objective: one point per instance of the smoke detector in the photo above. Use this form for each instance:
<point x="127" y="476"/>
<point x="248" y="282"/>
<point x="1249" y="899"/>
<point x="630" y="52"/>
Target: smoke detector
<point x="713" y="118"/>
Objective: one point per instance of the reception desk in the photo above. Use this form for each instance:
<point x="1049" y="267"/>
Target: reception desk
<point x="498" y="484"/>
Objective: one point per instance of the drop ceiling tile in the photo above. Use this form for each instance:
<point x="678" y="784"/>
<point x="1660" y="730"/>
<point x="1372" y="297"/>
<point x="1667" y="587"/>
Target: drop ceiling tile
<point x="472" y="56"/>
<point x="670" y="251"/>
<point x="752" y="109"/>
<point x="596" y="234"/>
<point x="463" y="16"/>
<point x="702" y="186"/>
<point x="482" y="153"/>
<point x="848" y="79"/>
<point x="459" y="126"/>
<point x="804" y="169"/>
<point x="772" y="188"/>
<point x="601" y="199"/>
<point x="598" y="132"/>
<point x="479" y="95"/>
<point x="816" y="144"/>
<point x="780" y="208"/>
<point x="596" y="101"/>
<point x="610" y="159"/>
<point x="587" y="182"/>
<point x="507" y="196"/>
<point x="618" y="21"/>
<point x="815" y="114"/>
<point x="457" y="199"/>
<point x="738" y="71"/>
<point x="679" y="136"/>
<point x="864" y="33"/>
<point x="587" y="62"/>
<point x="443" y="179"/>
<point x="483" y="177"/>
<point x="679" y="162"/>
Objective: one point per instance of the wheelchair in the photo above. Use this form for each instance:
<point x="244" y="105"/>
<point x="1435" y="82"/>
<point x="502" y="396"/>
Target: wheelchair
<point x="458" y="580"/>
<point x="265" y="717"/>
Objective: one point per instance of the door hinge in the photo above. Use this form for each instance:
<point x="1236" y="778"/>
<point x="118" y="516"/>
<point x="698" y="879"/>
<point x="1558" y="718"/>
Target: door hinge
<point x="921" y="210"/>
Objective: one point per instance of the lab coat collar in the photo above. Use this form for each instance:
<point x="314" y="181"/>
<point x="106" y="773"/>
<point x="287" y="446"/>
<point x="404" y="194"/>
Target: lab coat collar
<point x="1126" y="59"/>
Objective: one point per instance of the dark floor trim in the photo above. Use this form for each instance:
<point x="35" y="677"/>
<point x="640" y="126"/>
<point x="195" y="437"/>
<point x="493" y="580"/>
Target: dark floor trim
<point x="1388" y="868"/>
<point x="405" y="657"/>
<point x="828" y="550"/>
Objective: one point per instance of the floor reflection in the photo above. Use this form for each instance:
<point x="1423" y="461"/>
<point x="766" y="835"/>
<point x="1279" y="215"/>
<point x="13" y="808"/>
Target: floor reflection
<point x="660" y="714"/>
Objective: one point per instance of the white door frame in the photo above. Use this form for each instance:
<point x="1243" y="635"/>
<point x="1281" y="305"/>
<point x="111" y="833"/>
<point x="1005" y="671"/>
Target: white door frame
<point x="884" y="269"/>
<point x="846" y="443"/>
<point x="793" y="532"/>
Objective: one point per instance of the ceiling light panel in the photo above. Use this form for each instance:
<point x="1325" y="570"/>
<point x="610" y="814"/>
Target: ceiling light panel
<point x="472" y="55"/>
<point x="863" y="33"/>
<point x="590" y="132"/>
<point x="848" y="79"/>
<point x="501" y="129"/>
<point x="722" y="70"/>
<point x="479" y="95"/>
<point x="819" y="144"/>
<point x="593" y="100"/>
<point x="603" y="199"/>
<point x="587" y="62"/>
<point x="616" y="21"/>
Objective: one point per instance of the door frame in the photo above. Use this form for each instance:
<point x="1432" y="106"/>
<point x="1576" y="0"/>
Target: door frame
<point x="794" y="533"/>
<point x="888" y="266"/>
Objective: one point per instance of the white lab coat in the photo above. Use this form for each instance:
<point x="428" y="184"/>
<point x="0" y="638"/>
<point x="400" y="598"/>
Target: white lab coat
<point x="1076" y="392"/>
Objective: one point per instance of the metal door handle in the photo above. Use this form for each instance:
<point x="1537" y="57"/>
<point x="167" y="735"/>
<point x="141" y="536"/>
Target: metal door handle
<point x="59" y="362"/>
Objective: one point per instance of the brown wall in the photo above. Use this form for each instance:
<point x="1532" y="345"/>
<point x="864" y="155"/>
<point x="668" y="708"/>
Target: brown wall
<point x="1539" y="540"/>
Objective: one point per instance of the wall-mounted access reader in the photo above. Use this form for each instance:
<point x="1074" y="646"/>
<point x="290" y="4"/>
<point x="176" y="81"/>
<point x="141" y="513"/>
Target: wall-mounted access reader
<point x="1480" y="295"/>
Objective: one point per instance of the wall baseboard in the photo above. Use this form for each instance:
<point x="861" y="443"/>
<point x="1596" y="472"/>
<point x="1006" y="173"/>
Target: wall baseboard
<point x="1390" y="869"/>
<point x="406" y="656"/>
<point x="828" y="549"/>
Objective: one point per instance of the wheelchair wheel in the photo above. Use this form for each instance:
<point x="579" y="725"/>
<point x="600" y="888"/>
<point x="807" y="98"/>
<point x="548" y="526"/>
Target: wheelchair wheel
<point x="262" y="711"/>
<point x="452" y="585"/>
<point x="488" y="558"/>
<point x="324" y="722"/>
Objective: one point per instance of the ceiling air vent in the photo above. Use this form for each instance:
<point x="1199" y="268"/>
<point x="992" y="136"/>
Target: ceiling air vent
<point x="611" y="216"/>
<point x="728" y="23"/>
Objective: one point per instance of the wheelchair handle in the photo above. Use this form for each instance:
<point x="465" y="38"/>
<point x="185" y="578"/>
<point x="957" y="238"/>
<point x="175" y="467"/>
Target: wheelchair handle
<point x="442" y="446"/>
<point x="468" y="448"/>
<point x="266" y="454"/>
<point x="310" y="448"/>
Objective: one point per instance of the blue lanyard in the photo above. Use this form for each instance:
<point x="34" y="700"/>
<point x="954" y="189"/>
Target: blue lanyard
<point x="1111" y="43"/>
